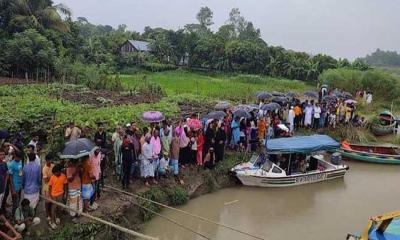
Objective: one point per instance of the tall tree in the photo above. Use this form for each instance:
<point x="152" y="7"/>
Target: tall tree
<point x="205" y="17"/>
<point x="38" y="14"/>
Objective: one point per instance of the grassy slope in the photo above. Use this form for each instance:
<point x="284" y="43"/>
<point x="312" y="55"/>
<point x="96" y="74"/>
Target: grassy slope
<point x="240" y="87"/>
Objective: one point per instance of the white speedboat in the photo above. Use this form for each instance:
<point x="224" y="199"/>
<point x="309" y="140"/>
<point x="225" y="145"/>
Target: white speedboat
<point x="261" y="171"/>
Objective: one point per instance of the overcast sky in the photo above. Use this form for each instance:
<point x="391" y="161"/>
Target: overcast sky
<point x="341" y="28"/>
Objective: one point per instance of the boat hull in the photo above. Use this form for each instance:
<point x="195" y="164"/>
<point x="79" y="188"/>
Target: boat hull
<point x="293" y="180"/>
<point x="370" y="157"/>
<point x="380" y="130"/>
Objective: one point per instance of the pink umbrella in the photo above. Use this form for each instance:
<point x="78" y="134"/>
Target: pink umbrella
<point x="350" y="101"/>
<point x="152" y="116"/>
<point x="194" y="123"/>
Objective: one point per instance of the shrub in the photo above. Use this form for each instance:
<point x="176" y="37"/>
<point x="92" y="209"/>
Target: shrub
<point x="158" y="67"/>
<point x="177" y="195"/>
<point x="155" y="194"/>
<point x="382" y="84"/>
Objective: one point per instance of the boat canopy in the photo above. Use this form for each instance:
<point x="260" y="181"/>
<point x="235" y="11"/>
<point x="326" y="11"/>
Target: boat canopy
<point x="301" y="144"/>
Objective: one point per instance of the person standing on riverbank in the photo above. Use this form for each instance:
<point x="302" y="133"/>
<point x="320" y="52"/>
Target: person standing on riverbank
<point x="15" y="171"/>
<point x="290" y="120"/>
<point x="47" y="172"/>
<point x="174" y="156"/>
<point x="72" y="132"/>
<point x="74" y="188"/>
<point x="87" y="187"/>
<point x="3" y="174"/>
<point x="95" y="163"/>
<point x="235" y="126"/>
<point x="219" y="146"/>
<point x="57" y="188"/>
<point x="31" y="180"/>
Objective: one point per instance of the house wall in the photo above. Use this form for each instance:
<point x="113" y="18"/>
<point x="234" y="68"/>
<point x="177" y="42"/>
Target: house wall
<point x="127" y="48"/>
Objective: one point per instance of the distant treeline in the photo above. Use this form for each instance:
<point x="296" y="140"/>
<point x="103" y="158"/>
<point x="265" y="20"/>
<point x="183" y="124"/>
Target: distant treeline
<point x="39" y="40"/>
<point x="382" y="58"/>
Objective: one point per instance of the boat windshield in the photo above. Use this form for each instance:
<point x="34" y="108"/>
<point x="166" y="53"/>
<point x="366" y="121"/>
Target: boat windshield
<point x="267" y="166"/>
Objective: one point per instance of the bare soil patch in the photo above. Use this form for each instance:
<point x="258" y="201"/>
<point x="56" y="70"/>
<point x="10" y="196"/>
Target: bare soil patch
<point x="100" y="98"/>
<point x="15" y="81"/>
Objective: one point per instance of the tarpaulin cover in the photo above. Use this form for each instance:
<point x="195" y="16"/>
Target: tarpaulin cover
<point x="301" y="144"/>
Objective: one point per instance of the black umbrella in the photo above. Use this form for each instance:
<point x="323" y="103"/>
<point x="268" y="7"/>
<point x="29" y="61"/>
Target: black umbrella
<point x="222" y="105"/>
<point x="270" y="106"/>
<point x="241" y="113"/>
<point x="247" y="108"/>
<point x="264" y="95"/>
<point x="329" y="98"/>
<point x="280" y="100"/>
<point x="311" y="94"/>
<point x="291" y="94"/>
<point x="4" y="134"/>
<point x="78" y="148"/>
<point x="337" y="93"/>
<point x="216" y="115"/>
<point x="347" y="95"/>
<point x="277" y="94"/>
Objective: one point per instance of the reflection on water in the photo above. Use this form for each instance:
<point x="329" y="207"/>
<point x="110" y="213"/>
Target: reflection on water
<point x="326" y="210"/>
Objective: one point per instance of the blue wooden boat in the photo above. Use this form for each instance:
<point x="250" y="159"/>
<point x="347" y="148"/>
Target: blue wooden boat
<point x="384" y="227"/>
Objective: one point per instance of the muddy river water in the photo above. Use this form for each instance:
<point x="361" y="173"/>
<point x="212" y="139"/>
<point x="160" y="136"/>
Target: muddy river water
<point x="326" y="210"/>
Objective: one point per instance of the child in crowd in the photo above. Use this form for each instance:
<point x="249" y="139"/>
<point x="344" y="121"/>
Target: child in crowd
<point x="58" y="190"/>
<point x="164" y="166"/>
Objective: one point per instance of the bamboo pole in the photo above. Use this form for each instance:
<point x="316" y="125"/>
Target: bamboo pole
<point x="122" y="229"/>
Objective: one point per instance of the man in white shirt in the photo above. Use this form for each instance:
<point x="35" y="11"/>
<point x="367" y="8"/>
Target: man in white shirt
<point x="34" y="141"/>
<point x="290" y="119"/>
<point x="317" y="115"/>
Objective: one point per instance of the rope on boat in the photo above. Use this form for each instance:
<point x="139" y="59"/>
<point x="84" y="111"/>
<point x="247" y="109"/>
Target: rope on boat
<point x="186" y="213"/>
<point x="122" y="229"/>
<point x="173" y="221"/>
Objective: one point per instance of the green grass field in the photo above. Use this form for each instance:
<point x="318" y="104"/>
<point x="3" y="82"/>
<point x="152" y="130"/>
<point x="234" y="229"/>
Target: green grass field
<point x="239" y="87"/>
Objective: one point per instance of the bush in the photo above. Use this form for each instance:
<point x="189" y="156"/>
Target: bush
<point x="177" y="195"/>
<point x="158" y="67"/>
<point x="148" y="87"/>
<point x="382" y="84"/>
<point x="155" y="194"/>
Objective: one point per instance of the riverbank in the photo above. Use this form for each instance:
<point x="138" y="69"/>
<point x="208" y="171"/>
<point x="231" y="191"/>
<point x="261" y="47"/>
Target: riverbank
<point x="127" y="211"/>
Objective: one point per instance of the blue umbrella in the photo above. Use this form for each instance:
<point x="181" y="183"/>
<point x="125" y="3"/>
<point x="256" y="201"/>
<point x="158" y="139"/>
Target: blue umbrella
<point x="78" y="148"/>
<point x="270" y="106"/>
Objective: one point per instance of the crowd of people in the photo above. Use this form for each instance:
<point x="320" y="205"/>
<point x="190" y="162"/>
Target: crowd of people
<point x="158" y="150"/>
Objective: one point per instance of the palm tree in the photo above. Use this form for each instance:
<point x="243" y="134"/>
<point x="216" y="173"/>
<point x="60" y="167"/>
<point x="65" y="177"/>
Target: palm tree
<point x="42" y="14"/>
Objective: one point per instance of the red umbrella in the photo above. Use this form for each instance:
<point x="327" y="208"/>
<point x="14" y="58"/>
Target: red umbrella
<point x="194" y="123"/>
